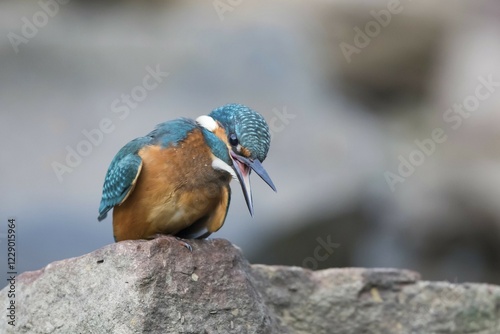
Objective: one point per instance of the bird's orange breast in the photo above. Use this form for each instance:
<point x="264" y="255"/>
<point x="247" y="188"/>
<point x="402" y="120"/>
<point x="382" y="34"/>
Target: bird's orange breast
<point x="177" y="187"/>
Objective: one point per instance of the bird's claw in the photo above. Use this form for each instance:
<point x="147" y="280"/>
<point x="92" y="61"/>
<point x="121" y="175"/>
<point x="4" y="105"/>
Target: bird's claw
<point x="185" y="244"/>
<point x="180" y="240"/>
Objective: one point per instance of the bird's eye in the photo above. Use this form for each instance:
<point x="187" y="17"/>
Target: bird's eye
<point x="233" y="140"/>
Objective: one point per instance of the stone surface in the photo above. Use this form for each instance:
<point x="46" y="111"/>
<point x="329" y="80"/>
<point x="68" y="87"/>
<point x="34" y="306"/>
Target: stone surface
<point x="159" y="286"/>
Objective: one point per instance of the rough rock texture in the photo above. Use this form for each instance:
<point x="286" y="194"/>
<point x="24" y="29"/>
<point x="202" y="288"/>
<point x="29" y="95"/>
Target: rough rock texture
<point x="159" y="286"/>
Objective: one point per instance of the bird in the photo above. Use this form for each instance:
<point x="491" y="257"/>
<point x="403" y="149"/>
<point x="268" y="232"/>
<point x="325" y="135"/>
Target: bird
<point x="175" y="180"/>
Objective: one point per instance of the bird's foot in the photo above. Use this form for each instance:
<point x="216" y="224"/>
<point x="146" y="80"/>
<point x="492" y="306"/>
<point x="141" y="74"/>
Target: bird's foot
<point x="185" y="244"/>
<point x="180" y="240"/>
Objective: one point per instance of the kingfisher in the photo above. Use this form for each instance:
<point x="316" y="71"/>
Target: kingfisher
<point x="175" y="180"/>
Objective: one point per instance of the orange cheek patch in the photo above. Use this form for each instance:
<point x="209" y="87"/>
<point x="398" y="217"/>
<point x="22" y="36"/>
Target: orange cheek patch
<point x="245" y="152"/>
<point x="221" y="133"/>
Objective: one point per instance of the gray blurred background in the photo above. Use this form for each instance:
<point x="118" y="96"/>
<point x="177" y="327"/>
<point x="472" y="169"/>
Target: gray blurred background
<point x="348" y="87"/>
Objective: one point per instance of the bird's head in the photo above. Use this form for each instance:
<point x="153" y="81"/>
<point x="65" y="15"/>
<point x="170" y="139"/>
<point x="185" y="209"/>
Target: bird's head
<point x="247" y="139"/>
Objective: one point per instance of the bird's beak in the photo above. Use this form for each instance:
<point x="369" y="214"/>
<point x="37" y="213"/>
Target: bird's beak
<point x="243" y="166"/>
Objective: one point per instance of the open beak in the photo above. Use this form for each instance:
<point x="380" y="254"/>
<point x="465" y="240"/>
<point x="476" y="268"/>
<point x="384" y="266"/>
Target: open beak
<point x="243" y="166"/>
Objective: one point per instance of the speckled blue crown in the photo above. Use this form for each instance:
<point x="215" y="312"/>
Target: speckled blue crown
<point x="248" y="125"/>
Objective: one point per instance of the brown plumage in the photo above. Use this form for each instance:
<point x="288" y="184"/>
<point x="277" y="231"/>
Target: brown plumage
<point x="176" y="192"/>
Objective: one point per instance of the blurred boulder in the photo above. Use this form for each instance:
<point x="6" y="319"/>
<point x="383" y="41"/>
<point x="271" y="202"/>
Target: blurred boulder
<point x="381" y="52"/>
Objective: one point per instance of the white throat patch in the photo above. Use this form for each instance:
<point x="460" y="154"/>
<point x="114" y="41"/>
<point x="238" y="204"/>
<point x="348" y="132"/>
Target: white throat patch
<point x="207" y="122"/>
<point x="221" y="165"/>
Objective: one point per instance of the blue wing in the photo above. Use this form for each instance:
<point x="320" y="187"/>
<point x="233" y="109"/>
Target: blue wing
<point x="122" y="175"/>
<point x="126" y="165"/>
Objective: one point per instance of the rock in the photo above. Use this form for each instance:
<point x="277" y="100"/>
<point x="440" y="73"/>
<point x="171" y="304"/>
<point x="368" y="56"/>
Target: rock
<point x="159" y="286"/>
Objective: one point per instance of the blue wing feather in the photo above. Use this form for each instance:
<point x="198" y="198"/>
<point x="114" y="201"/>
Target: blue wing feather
<point x="121" y="175"/>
